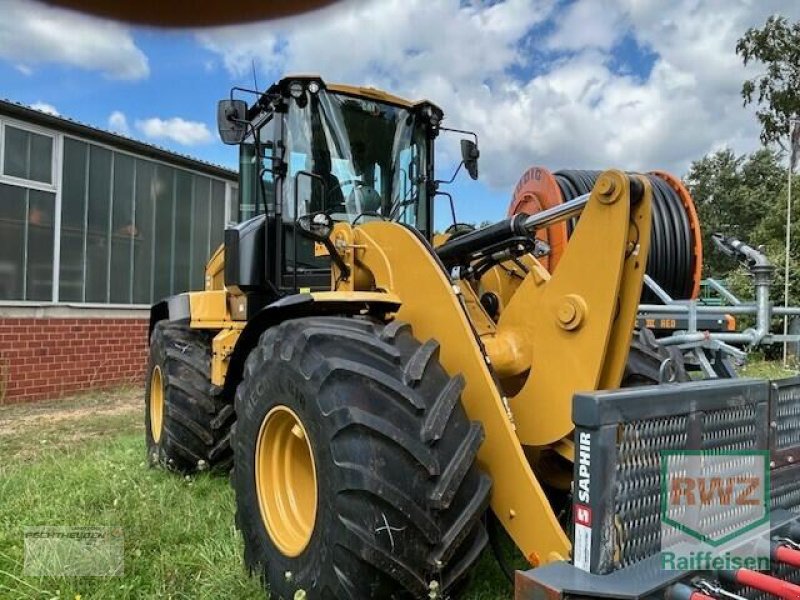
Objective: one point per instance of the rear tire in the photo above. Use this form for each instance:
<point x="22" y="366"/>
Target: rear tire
<point x="399" y="498"/>
<point x="650" y="363"/>
<point x="195" y="421"/>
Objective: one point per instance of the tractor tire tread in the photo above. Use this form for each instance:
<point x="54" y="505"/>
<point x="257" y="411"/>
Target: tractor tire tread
<point x="384" y="394"/>
<point x="197" y="419"/>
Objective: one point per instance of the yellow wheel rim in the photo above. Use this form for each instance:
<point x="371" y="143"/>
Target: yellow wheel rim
<point x="156" y="404"/>
<point x="286" y="480"/>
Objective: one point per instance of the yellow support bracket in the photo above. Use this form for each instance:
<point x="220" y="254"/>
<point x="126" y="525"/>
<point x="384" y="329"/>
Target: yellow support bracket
<point x="221" y="349"/>
<point x="573" y="328"/>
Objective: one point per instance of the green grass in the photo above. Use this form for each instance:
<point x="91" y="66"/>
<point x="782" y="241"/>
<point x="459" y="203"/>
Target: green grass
<point x="764" y="369"/>
<point x="82" y="462"/>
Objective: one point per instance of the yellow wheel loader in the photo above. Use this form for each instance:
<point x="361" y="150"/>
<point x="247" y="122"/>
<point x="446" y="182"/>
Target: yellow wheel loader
<point x="374" y="414"/>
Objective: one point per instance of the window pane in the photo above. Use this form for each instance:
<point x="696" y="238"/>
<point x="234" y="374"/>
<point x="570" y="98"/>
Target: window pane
<point x="143" y="240"/>
<point x="184" y="220"/>
<point x="97" y="224"/>
<point x="41" y="206"/>
<point x="233" y="207"/>
<point x="162" y="259"/>
<point x="15" y="162"/>
<point x="73" y="205"/>
<point x="200" y="250"/>
<point x="41" y="165"/>
<point x="122" y="229"/>
<point x="12" y="242"/>
<point x="217" y="213"/>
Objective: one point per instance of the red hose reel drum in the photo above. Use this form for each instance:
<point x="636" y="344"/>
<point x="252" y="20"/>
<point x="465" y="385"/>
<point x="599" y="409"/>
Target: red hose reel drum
<point x="694" y="226"/>
<point x="536" y="191"/>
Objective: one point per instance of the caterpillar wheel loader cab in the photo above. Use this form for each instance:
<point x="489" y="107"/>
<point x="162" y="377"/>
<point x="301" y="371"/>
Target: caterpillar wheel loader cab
<point x="373" y="411"/>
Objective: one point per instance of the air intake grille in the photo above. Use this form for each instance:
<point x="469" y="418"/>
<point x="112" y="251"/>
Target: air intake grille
<point x="731" y="428"/>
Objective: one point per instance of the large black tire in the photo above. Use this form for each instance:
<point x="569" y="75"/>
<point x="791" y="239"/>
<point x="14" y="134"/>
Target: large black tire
<point x="400" y="498"/>
<point x="195" y="434"/>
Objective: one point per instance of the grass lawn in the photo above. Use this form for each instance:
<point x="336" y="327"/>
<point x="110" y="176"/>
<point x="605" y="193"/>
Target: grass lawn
<point x="81" y="462"/>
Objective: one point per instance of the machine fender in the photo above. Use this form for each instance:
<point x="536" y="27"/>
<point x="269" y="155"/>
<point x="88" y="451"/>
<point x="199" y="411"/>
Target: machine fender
<point x="158" y="312"/>
<point x="175" y="308"/>
<point x="297" y="306"/>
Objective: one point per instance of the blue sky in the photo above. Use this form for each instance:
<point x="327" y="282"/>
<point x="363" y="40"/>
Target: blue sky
<point x="637" y="84"/>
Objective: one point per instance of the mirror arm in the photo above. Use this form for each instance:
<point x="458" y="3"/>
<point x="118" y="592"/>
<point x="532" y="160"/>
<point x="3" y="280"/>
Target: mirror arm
<point x="464" y="131"/>
<point x="452" y="204"/>
<point x="453" y="178"/>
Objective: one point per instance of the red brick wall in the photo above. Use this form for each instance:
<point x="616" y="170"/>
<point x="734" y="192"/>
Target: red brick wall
<point x="51" y="357"/>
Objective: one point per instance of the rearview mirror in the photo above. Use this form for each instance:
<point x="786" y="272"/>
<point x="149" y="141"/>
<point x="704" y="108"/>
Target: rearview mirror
<point x="318" y="226"/>
<point x="232" y="121"/>
<point x="470" y="154"/>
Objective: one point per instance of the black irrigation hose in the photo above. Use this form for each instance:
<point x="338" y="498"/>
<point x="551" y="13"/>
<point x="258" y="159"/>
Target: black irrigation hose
<point x="670" y="261"/>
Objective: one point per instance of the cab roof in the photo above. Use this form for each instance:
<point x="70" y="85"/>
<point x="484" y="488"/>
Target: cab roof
<point x="353" y="90"/>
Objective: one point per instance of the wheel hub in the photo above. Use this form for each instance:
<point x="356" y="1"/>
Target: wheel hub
<point x="286" y="480"/>
<point x="156" y="404"/>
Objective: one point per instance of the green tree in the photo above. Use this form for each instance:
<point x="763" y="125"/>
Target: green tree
<point x="776" y="90"/>
<point x="771" y="233"/>
<point x="733" y="194"/>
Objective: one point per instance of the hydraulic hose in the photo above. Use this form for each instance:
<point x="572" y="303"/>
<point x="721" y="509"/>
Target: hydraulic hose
<point x="675" y="261"/>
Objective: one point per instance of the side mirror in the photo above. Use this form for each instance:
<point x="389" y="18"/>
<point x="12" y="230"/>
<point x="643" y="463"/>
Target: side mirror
<point x="317" y="226"/>
<point x="232" y="121"/>
<point x="470" y="154"/>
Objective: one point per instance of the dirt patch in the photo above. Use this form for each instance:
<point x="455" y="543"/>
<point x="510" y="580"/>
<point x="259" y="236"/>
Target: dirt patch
<point x="57" y="414"/>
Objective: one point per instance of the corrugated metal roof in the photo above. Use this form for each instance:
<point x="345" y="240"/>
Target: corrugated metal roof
<point x="60" y="123"/>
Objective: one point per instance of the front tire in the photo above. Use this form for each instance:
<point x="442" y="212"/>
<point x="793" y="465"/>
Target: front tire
<point x="399" y="498"/>
<point x="187" y="422"/>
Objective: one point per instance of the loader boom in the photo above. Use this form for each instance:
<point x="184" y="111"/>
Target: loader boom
<point x="451" y="314"/>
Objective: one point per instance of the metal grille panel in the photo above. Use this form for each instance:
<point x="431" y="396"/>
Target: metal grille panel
<point x="785" y="418"/>
<point x="628" y="431"/>
<point x="638" y="490"/>
<point x="786" y="489"/>
<point x="733" y="428"/>
<point x="638" y="493"/>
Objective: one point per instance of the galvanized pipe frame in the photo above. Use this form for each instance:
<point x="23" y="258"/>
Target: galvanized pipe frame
<point x="763" y="309"/>
<point x="762" y="272"/>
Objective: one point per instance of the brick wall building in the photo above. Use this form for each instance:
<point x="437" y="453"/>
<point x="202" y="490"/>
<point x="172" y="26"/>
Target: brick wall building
<point x="94" y="227"/>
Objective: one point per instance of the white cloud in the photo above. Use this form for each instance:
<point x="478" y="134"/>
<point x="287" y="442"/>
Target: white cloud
<point x="188" y="133"/>
<point x="386" y="41"/>
<point x="45" y="108"/>
<point x="32" y="33"/>
<point x="555" y="95"/>
<point x="594" y="24"/>
<point x="118" y="122"/>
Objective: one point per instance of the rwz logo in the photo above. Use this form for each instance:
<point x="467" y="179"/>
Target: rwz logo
<point x="740" y="490"/>
<point x="701" y="490"/>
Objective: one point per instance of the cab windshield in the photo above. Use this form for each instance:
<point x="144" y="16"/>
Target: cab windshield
<point x="355" y="159"/>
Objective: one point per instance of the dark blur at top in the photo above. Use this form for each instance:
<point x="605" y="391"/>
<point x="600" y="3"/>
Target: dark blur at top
<point x="191" y="13"/>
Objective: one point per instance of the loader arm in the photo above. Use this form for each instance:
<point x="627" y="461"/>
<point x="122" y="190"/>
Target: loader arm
<point x="572" y="329"/>
<point x="379" y="256"/>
